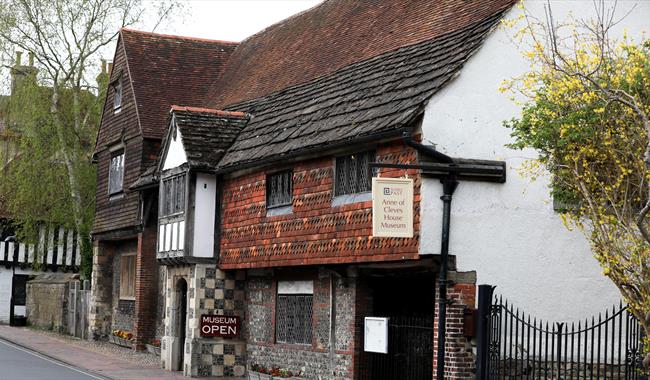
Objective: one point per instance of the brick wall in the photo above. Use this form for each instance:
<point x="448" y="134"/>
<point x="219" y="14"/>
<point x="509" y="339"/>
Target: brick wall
<point x="459" y="355"/>
<point x="123" y="310"/>
<point x="315" y="232"/>
<point x="146" y="288"/>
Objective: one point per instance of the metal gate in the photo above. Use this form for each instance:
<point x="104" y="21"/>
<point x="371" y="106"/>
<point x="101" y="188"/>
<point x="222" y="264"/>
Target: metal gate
<point x="18" y="302"/>
<point x="410" y="351"/>
<point x="514" y="345"/>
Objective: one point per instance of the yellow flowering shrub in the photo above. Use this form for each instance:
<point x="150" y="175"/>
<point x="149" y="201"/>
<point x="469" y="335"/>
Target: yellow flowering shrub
<point x="585" y="113"/>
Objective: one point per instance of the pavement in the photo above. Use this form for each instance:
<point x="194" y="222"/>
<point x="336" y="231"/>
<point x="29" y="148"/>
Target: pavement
<point x="69" y="358"/>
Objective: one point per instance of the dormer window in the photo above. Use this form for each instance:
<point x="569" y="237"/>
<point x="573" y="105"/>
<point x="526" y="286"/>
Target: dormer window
<point x="116" y="172"/>
<point x="117" y="96"/>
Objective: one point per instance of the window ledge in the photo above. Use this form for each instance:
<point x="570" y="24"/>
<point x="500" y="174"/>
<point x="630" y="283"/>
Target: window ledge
<point x="277" y="211"/>
<point x="127" y="298"/>
<point x="347" y="199"/>
<point x="115" y="196"/>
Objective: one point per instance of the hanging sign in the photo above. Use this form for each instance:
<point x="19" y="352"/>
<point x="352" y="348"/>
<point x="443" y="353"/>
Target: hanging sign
<point x="224" y="326"/>
<point x="392" y="207"/>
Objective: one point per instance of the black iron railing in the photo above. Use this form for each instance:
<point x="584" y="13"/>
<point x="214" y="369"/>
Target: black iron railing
<point x="410" y="351"/>
<point x="515" y="345"/>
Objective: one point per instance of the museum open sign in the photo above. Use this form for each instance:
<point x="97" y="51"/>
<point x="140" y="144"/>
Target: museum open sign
<point x="392" y="207"/>
<point x="224" y="326"/>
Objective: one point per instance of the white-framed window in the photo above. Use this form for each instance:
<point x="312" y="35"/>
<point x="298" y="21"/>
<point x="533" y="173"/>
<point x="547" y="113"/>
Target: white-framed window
<point x="116" y="172"/>
<point x="117" y="96"/>
<point x="127" y="277"/>
<point x="279" y="189"/>
<point x="293" y="312"/>
<point x="172" y="195"/>
<point x="353" y="173"/>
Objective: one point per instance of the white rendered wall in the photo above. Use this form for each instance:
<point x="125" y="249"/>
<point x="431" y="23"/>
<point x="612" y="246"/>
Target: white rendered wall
<point x="175" y="153"/>
<point x="508" y="233"/>
<point x="204" y="215"/>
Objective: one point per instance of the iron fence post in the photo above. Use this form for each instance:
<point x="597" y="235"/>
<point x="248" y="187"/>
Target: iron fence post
<point x="483" y="332"/>
<point x="558" y="359"/>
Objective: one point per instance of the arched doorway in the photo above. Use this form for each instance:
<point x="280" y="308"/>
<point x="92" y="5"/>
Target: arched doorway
<point x="181" y="322"/>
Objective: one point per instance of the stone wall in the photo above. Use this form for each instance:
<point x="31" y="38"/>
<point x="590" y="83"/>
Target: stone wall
<point x="160" y="310"/>
<point x="330" y="359"/>
<point x="210" y="291"/>
<point x="221" y="293"/>
<point x="101" y="290"/>
<point x="123" y="309"/>
<point x="107" y="310"/>
<point x="47" y="301"/>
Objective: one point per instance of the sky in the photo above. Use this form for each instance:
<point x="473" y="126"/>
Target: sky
<point x="231" y="20"/>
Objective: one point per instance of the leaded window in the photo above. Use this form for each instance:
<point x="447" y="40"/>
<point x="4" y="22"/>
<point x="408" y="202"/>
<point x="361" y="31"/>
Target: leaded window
<point x="116" y="172"/>
<point x="294" y="318"/>
<point x="353" y="173"/>
<point x="172" y="195"/>
<point x="117" y="96"/>
<point x="279" y="189"/>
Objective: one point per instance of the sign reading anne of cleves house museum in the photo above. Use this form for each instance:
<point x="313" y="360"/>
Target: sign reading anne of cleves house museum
<point x="392" y="207"/>
<point x="224" y="326"/>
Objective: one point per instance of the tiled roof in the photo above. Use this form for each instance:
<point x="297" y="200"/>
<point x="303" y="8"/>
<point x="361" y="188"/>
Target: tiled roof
<point x="169" y="70"/>
<point x="207" y="133"/>
<point x="335" y="34"/>
<point x="377" y="97"/>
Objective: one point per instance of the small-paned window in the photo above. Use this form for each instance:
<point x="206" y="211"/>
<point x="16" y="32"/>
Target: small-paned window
<point x="294" y="312"/>
<point x="279" y="189"/>
<point x="117" y="96"/>
<point x="172" y="195"/>
<point x="353" y="173"/>
<point x="127" y="277"/>
<point x="116" y="172"/>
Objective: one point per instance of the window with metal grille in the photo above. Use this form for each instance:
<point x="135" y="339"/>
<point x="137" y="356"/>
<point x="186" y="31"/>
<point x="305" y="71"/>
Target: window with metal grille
<point x="127" y="276"/>
<point x="279" y="189"/>
<point x="172" y="195"/>
<point x="116" y="172"/>
<point x="353" y="173"/>
<point x="294" y="318"/>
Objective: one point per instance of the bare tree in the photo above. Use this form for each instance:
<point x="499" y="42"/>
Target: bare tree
<point x="65" y="38"/>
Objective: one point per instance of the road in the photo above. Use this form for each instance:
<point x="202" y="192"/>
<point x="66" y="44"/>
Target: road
<point x="19" y="363"/>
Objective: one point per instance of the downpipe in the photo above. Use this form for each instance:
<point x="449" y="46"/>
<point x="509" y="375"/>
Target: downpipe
<point x="449" y="184"/>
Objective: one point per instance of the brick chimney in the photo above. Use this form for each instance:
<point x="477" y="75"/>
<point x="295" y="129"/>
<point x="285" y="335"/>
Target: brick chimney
<point x="20" y="73"/>
<point x="103" y="77"/>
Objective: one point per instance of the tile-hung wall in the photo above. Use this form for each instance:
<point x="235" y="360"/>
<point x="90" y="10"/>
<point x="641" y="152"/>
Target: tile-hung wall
<point x="210" y="291"/>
